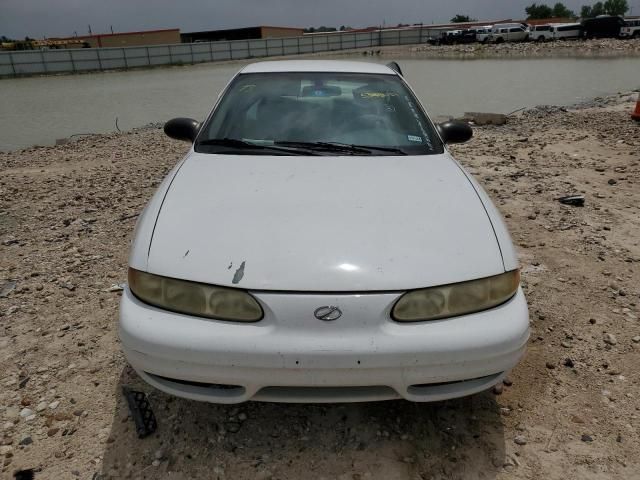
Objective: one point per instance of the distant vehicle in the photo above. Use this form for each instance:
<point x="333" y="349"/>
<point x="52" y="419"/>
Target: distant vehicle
<point x="540" y="33"/>
<point x="453" y="37"/>
<point x="463" y="36"/>
<point x="604" y="26"/>
<point x="470" y="35"/>
<point x="509" y="32"/>
<point x="631" y="28"/>
<point x="482" y="33"/>
<point x="444" y="38"/>
<point x="566" y="31"/>
<point x="450" y="37"/>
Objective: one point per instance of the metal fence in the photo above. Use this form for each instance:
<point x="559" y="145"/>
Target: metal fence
<point x="43" y="62"/>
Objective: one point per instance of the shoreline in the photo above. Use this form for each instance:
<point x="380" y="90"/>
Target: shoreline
<point x="595" y="102"/>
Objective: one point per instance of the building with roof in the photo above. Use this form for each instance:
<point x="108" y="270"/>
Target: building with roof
<point x="247" y="33"/>
<point x="125" y="39"/>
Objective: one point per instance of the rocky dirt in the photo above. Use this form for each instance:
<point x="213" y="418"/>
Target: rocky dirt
<point x="569" y="410"/>
<point x="606" y="47"/>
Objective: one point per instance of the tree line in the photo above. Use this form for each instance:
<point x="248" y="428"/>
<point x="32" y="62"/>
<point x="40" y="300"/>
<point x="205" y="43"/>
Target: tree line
<point x="537" y="11"/>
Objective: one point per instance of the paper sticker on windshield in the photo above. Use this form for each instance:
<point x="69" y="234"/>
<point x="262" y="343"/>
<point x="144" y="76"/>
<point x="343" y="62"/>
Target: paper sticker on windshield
<point x="373" y="95"/>
<point x="413" y="138"/>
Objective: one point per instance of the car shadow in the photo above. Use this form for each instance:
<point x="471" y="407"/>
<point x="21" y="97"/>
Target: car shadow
<point x="460" y="438"/>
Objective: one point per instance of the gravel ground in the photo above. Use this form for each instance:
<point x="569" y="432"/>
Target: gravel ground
<point x="569" y="410"/>
<point x="607" y="47"/>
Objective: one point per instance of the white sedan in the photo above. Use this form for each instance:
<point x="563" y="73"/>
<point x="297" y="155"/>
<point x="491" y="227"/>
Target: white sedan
<point x="318" y="243"/>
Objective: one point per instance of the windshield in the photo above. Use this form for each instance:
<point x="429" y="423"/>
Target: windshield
<point x="283" y="113"/>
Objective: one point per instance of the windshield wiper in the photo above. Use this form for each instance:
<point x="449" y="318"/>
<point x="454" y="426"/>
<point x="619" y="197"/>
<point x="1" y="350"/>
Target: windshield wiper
<point x="242" y="145"/>
<point x="341" y="147"/>
<point x="399" y="151"/>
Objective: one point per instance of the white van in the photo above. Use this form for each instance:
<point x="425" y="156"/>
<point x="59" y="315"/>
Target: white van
<point x="540" y="33"/>
<point x="631" y="28"/>
<point x="482" y="33"/>
<point x="509" y="32"/>
<point x="566" y="31"/>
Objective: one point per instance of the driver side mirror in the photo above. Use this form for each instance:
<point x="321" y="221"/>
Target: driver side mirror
<point x="182" y="129"/>
<point x="454" y="132"/>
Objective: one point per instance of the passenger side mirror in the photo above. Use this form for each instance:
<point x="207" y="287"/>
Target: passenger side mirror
<point x="455" y="132"/>
<point x="182" y="129"/>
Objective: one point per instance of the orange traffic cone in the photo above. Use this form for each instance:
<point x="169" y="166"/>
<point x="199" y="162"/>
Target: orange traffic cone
<point x="636" y="114"/>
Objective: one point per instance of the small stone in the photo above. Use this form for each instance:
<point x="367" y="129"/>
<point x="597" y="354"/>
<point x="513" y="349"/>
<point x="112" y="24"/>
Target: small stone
<point x="26" y="441"/>
<point x="242" y="417"/>
<point x="497" y="389"/>
<point x="155" y="463"/>
<point x="232" y="427"/>
<point x="566" y="344"/>
<point x="52" y="431"/>
<point x="41" y="406"/>
<point x="609" y="339"/>
<point x="54" y="405"/>
<point x="263" y="475"/>
<point x="159" y="454"/>
<point x="26" y="412"/>
<point x="219" y="471"/>
<point x="520" y="440"/>
<point x="550" y="365"/>
<point x="568" y="363"/>
<point x="69" y="286"/>
<point x="612" y="181"/>
<point x="586" y="438"/>
<point x="507" y="381"/>
<point x="636" y="339"/>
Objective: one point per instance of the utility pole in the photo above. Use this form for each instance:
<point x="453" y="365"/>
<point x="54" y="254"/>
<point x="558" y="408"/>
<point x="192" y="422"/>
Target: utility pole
<point x="89" y="29"/>
<point x="111" y="27"/>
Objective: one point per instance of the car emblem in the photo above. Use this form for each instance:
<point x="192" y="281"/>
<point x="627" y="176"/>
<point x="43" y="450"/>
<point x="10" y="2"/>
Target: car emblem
<point x="328" y="313"/>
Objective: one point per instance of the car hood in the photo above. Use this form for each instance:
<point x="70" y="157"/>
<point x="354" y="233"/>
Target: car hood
<point x="322" y="223"/>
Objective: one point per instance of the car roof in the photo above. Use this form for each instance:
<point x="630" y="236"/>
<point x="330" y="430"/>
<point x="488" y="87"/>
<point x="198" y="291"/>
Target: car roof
<point x="340" y="66"/>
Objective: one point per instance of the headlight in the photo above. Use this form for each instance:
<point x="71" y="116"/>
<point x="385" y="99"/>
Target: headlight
<point x="194" y="298"/>
<point x="456" y="299"/>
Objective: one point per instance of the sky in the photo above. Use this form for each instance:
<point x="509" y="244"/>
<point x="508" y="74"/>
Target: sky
<point x="40" y="18"/>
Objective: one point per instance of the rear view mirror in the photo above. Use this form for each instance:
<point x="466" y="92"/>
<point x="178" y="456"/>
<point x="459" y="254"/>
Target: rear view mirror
<point x="455" y="132"/>
<point x="182" y="129"/>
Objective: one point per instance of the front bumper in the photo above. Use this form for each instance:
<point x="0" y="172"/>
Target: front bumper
<point x="293" y="357"/>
